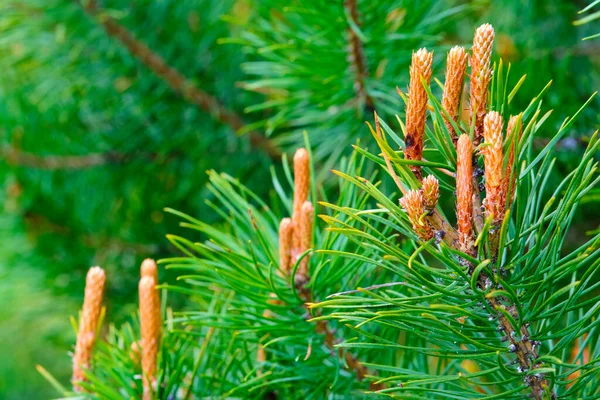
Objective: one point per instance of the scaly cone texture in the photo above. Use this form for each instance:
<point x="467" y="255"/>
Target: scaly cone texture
<point x="416" y="108"/>
<point x="285" y="245"/>
<point x="150" y="269"/>
<point x="481" y="75"/>
<point x="456" y="66"/>
<point x="493" y="158"/>
<point x="509" y="180"/>
<point x="88" y="324"/>
<point x="431" y="192"/>
<point x="151" y="326"/>
<point x="464" y="192"/>
<point x="412" y="202"/>
<point x="301" y="186"/>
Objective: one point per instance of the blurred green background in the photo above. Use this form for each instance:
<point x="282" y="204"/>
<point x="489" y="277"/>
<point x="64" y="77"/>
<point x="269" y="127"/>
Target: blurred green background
<point x="94" y="143"/>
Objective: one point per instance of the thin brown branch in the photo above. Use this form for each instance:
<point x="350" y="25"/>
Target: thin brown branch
<point x="15" y="157"/>
<point x="177" y="81"/>
<point x="356" y="57"/>
<point x="323" y="328"/>
<point x="39" y="224"/>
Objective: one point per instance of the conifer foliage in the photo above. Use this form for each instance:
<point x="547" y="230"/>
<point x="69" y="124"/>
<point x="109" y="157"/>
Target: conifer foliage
<point x="440" y="270"/>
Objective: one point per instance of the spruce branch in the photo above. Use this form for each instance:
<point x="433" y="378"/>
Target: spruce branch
<point x="356" y="56"/>
<point x="177" y="81"/>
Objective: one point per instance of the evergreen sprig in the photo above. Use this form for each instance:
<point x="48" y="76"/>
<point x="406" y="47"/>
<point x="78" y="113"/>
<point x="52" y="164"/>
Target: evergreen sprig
<point x="393" y="300"/>
<point x="506" y="319"/>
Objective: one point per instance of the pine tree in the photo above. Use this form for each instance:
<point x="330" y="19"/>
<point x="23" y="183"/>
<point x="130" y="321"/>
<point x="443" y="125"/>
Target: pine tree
<point x="395" y="295"/>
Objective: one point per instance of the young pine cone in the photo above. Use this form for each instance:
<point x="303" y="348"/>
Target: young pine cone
<point x="151" y="331"/>
<point x="464" y="192"/>
<point x="412" y="202"/>
<point x="416" y="108"/>
<point x="481" y="75"/>
<point x="493" y="159"/>
<point x="88" y="324"/>
<point x="456" y="66"/>
<point x="431" y="192"/>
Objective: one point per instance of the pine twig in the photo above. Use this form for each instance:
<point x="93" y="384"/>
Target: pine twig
<point x="356" y="57"/>
<point x="521" y="344"/>
<point x="16" y="157"/>
<point x="300" y="229"/>
<point x="177" y="81"/>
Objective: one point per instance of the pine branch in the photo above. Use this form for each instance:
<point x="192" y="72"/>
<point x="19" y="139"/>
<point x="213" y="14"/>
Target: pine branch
<point x="16" y="157"/>
<point x="177" y="81"/>
<point x="356" y="56"/>
<point x="39" y="224"/>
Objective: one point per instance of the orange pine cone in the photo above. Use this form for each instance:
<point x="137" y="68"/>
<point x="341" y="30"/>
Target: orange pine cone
<point x="151" y="327"/>
<point x="306" y="232"/>
<point x="88" y="324"/>
<point x="412" y="202"/>
<point x="493" y="159"/>
<point x="456" y="66"/>
<point x="285" y="245"/>
<point x="416" y="108"/>
<point x="481" y="76"/>
<point x="301" y="188"/>
<point x="464" y="192"/>
<point x="431" y="192"/>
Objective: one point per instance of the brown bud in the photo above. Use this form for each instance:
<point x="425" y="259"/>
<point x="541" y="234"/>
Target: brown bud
<point x="416" y="108"/>
<point x="493" y="158"/>
<point x="464" y="192"/>
<point x="431" y="192"/>
<point x="481" y="75"/>
<point x="151" y="327"/>
<point x="412" y="202"/>
<point x="285" y="245"/>
<point x="88" y="324"/>
<point x="456" y="66"/>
